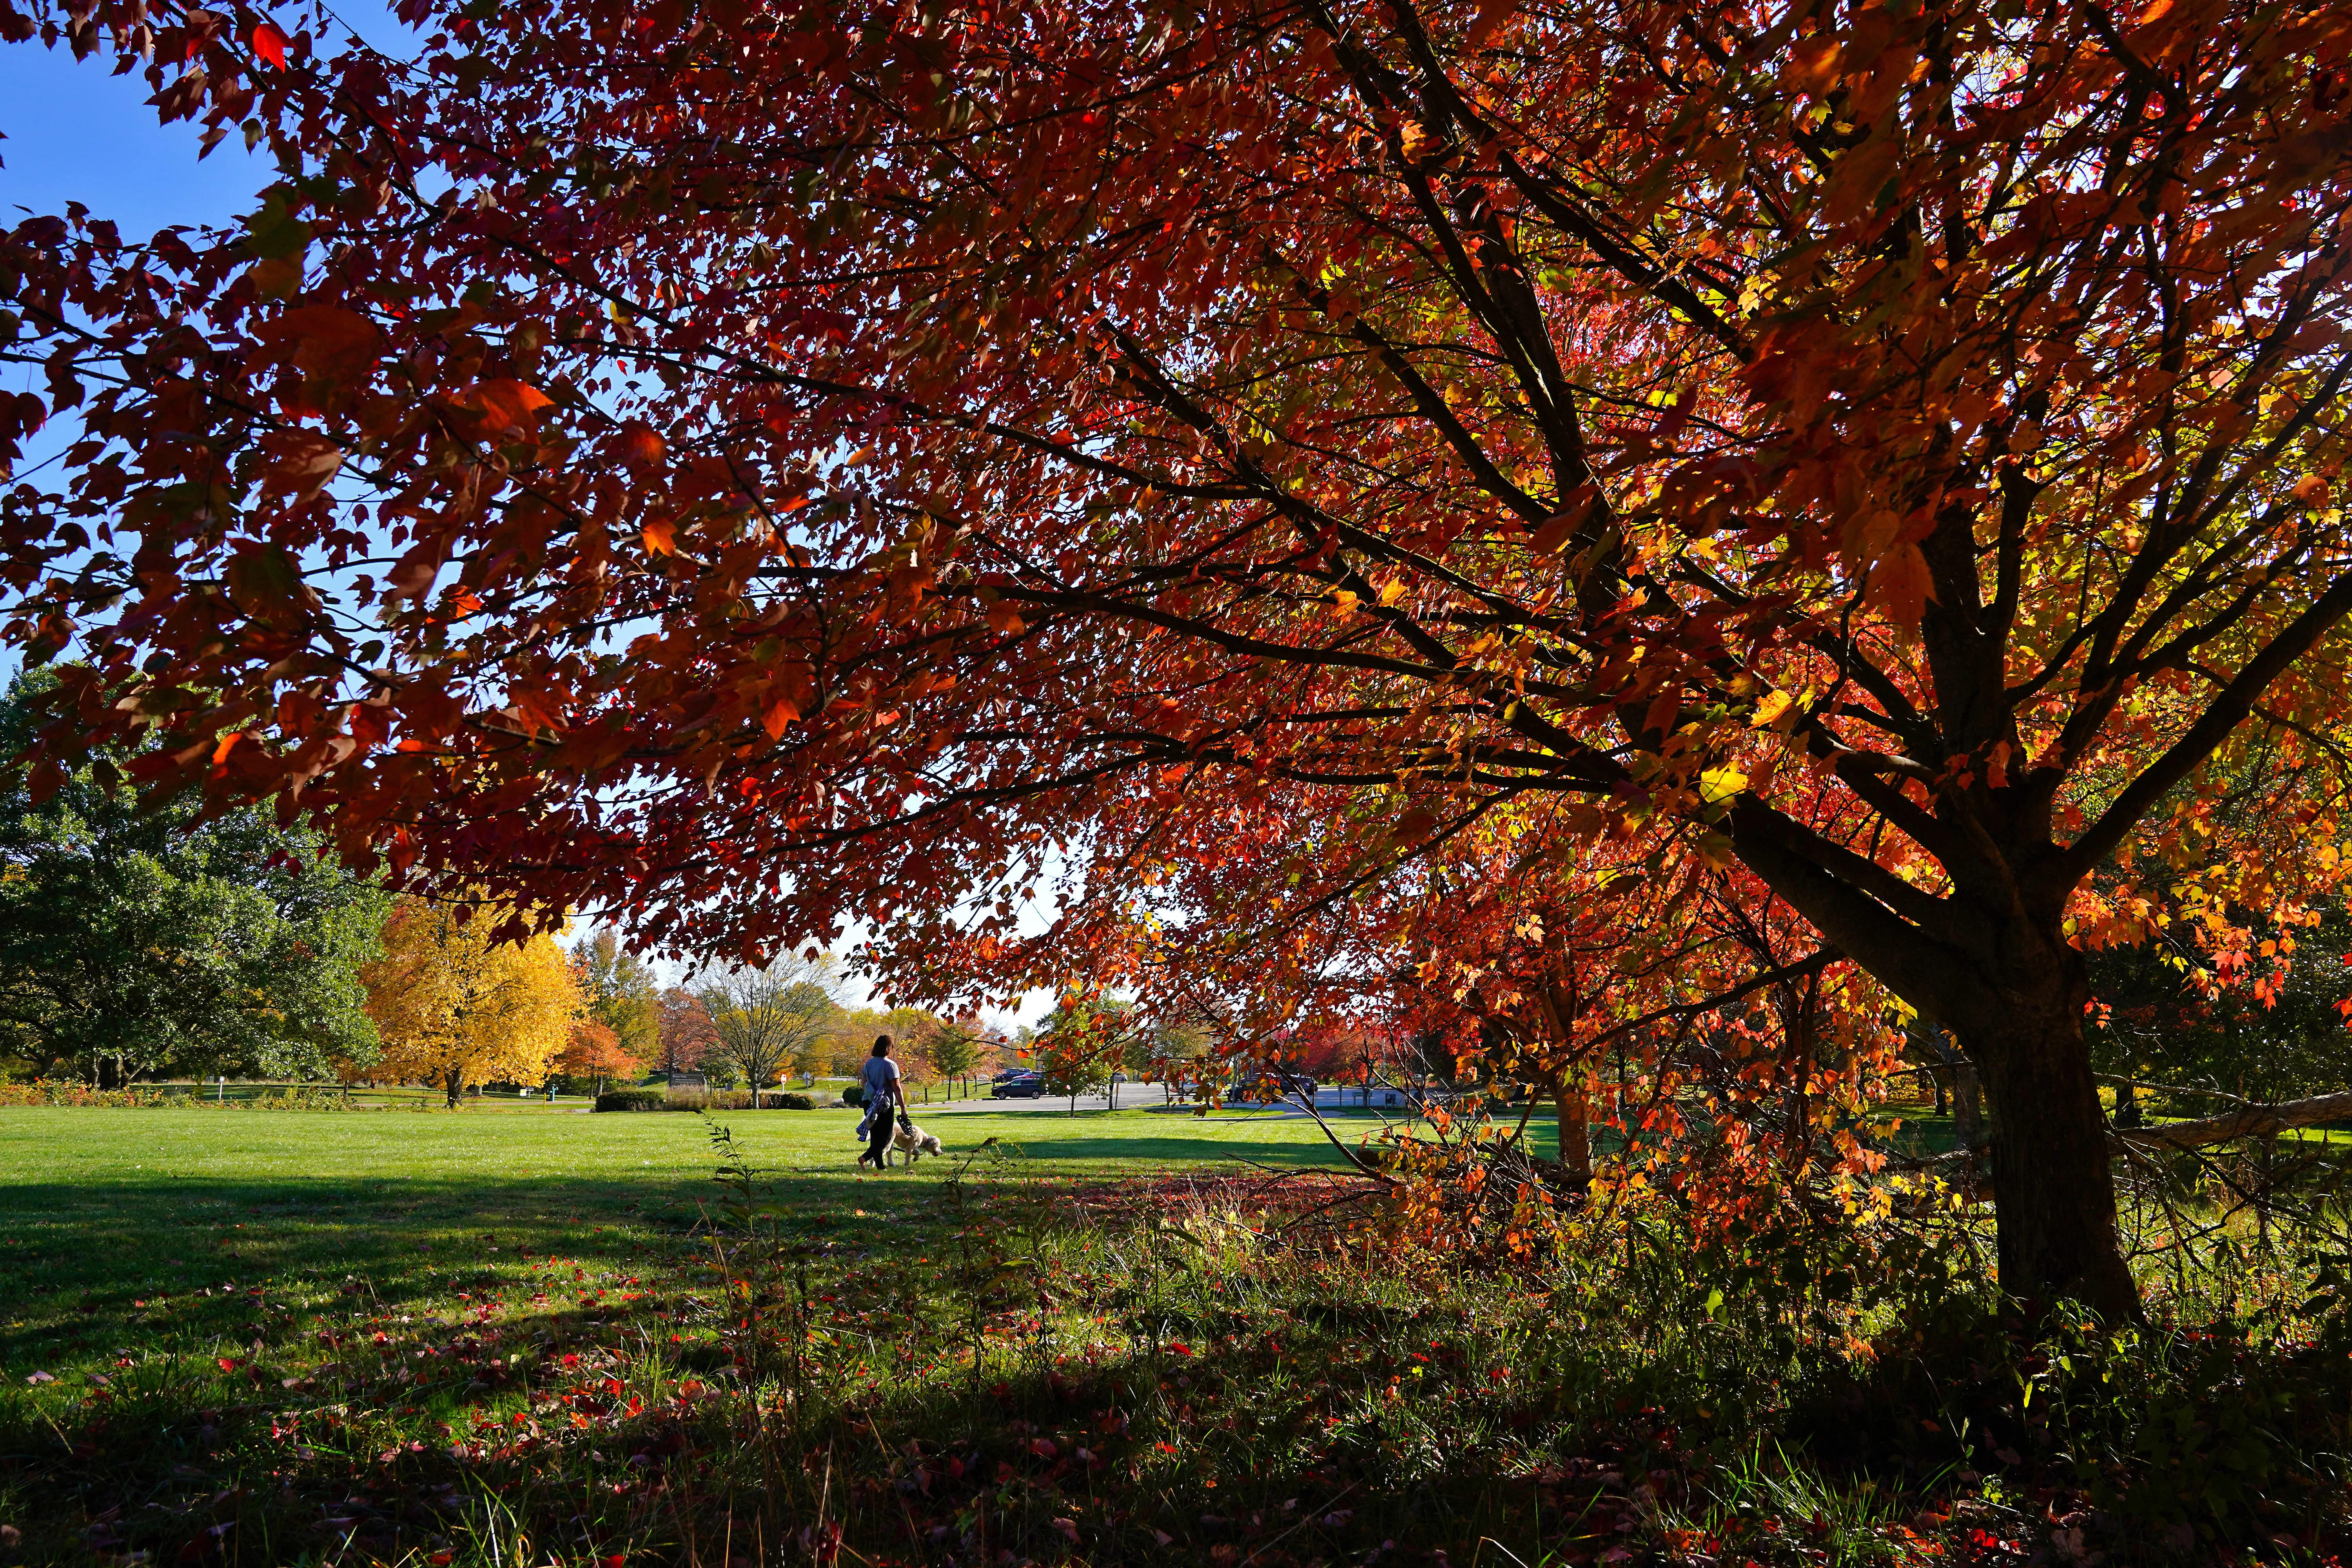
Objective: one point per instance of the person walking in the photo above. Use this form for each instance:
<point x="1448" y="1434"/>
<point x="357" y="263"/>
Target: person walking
<point x="884" y="1095"/>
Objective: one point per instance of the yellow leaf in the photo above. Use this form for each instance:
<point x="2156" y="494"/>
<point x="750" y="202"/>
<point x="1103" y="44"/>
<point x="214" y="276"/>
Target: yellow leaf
<point x="1719" y="784"/>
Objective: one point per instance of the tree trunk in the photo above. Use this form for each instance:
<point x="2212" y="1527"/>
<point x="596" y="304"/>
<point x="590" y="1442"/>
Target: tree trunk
<point x="455" y="1084"/>
<point x="2053" y="1188"/>
<point x="1575" y="1130"/>
<point x="1968" y="1107"/>
<point x="1968" y="1119"/>
<point x="2127" y="1105"/>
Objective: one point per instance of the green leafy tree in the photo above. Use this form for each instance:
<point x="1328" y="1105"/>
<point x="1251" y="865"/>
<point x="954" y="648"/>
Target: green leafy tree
<point x="622" y="994"/>
<point x="1179" y="1052"/>
<point x="952" y="1047"/>
<point x="138" y="942"/>
<point x="1082" y="1046"/>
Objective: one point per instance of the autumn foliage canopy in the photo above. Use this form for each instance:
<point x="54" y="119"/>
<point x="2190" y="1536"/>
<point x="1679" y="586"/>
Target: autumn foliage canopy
<point x="1868" y="470"/>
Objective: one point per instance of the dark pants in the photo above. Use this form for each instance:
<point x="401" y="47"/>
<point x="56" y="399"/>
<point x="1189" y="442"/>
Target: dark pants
<point x="886" y="1118"/>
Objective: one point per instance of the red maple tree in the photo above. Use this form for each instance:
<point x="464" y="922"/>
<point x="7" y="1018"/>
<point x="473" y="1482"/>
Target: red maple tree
<point x="748" y="469"/>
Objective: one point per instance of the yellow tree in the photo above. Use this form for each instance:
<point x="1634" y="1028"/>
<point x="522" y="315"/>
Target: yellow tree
<point x="458" y="1006"/>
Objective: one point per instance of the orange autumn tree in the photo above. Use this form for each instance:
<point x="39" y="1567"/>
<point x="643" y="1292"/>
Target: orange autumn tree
<point x="747" y="469"/>
<point x="593" y="1050"/>
<point x="458" y="1005"/>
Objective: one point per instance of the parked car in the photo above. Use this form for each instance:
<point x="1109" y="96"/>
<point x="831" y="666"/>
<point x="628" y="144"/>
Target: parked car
<point x="1275" y="1089"/>
<point x="1016" y="1083"/>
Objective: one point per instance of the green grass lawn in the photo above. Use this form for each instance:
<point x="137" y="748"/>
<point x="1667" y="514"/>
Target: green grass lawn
<point x="189" y="1228"/>
<point x="180" y="1287"/>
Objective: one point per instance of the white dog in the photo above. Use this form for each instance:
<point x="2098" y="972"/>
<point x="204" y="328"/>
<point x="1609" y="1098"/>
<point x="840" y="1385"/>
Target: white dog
<point x="914" y="1143"/>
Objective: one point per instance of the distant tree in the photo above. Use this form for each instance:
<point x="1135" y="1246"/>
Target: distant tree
<point x="766" y="1019"/>
<point x="457" y="1005"/>
<point x="140" y="940"/>
<point x="1081" y="1047"/>
<point x="953" y="1047"/>
<point x="683" y="1035"/>
<point x="1180" y="1053"/>
<point x="851" y="1036"/>
<point x="594" y="1052"/>
<point x="621" y="994"/>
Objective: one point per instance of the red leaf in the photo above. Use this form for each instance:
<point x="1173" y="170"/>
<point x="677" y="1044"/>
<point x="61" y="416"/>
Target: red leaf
<point x="507" y="404"/>
<point x="1491" y="14"/>
<point x="638" y="447"/>
<point x="270" y="45"/>
<point x="298" y="462"/>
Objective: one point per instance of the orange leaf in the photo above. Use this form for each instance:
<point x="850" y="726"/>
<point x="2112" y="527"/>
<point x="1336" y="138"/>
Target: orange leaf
<point x="1900" y="585"/>
<point x="508" y="403"/>
<point x="228" y="744"/>
<point x="1811" y="65"/>
<point x="661" y="536"/>
<point x="778" y="714"/>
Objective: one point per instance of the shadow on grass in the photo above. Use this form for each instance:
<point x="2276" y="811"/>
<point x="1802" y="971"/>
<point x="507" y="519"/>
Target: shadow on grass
<point x="89" y="1269"/>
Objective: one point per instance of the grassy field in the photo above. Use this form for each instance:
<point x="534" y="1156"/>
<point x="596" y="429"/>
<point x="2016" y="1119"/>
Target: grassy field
<point x="407" y="1338"/>
<point x="518" y="1337"/>
<point x="186" y="1226"/>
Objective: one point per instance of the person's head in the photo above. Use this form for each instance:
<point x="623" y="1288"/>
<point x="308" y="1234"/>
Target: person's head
<point x="881" y="1044"/>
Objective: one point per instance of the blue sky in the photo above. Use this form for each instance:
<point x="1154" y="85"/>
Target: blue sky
<point x="75" y="133"/>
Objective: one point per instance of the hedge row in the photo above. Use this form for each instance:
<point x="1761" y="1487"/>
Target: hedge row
<point x="662" y="1099"/>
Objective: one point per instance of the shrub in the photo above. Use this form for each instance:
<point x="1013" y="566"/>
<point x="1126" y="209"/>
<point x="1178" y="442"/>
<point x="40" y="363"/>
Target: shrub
<point x="854" y="1096"/>
<point x="66" y="1092"/>
<point x="307" y="1097"/>
<point x="633" y="1099"/>
<point x="795" y="1101"/>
